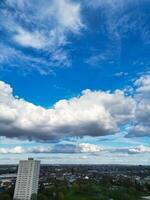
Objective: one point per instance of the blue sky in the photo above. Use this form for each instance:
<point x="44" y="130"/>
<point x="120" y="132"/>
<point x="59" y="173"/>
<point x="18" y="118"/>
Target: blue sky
<point x="75" y="81"/>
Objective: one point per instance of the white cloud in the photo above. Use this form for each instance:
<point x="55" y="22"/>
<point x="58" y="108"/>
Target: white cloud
<point x="76" y="148"/>
<point x="89" y="148"/>
<point x="141" y="126"/>
<point x="42" y="26"/>
<point x="15" y="150"/>
<point x="68" y="15"/>
<point x="140" y="149"/>
<point x="28" y="39"/>
<point x="28" y="63"/>
<point x="58" y="148"/>
<point x="93" y="113"/>
<point x="143" y="86"/>
<point x="50" y="23"/>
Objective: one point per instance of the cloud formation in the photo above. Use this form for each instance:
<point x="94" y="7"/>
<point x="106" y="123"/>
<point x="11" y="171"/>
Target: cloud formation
<point x="141" y="125"/>
<point x="46" y="33"/>
<point x="58" y="148"/>
<point x="14" y="150"/>
<point x="41" y="28"/>
<point x="94" y="113"/>
<point x="130" y="150"/>
<point x="75" y="148"/>
<point x="117" y="22"/>
<point x="139" y="149"/>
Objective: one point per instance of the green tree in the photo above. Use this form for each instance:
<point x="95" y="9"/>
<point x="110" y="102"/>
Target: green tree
<point x="5" y="197"/>
<point x="34" y="197"/>
<point x="76" y="188"/>
<point x="42" y="197"/>
<point x="10" y="191"/>
<point x="125" y="196"/>
<point x="61" y="196"/>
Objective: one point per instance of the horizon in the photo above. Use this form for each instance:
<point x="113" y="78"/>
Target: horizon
<point x="75" y="81"/>
<point x="42" y="164"/>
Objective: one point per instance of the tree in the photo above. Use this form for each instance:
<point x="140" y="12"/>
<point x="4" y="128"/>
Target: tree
<point x="42" y="197"/>
<point x="125" y="196"/>
<point x="76" y="188"/>
<point x="61" y="196"/>
<point x="34" y="197"/>
<point x="5" y="197"/>
<point x="10" y="191"/>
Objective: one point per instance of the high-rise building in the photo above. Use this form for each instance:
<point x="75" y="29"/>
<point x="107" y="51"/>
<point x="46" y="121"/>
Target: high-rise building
<point x="27" y="179"/>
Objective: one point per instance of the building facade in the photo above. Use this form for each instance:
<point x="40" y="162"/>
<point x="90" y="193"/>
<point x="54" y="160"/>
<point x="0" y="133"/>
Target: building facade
<point x="27" y="179"/>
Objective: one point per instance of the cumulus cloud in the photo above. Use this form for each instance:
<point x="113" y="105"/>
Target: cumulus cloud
<point x="143" y="86"/>
<point x="94" y="113"/>
<point x="141" y="125"/>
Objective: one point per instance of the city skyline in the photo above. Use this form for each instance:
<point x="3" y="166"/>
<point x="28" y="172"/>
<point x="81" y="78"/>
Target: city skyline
<point x="75" y="81"/>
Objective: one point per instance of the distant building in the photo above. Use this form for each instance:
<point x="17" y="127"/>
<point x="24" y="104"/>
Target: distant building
<point x="8" y="176"/>
<point x="27" y="179"/>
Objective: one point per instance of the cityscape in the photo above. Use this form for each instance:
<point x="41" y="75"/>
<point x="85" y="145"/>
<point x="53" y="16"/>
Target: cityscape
<point x="58" y="182"/>
<point x="74" y="99"/>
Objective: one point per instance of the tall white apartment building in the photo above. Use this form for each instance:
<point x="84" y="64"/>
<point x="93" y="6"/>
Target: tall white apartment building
<point x="27" y="179"/>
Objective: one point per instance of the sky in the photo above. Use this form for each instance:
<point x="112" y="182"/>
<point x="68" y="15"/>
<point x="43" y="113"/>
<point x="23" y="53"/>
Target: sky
<point x="75" y="81"/>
